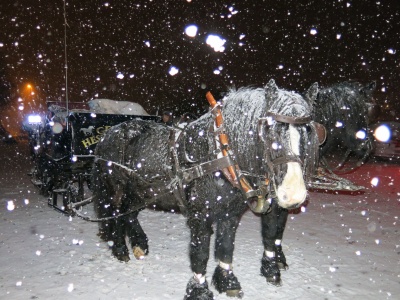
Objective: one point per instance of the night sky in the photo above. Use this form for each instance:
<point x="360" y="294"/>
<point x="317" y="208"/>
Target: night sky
<point x="295" y="42"/>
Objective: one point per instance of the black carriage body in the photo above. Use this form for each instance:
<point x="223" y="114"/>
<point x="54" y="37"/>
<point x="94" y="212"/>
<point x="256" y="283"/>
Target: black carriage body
<point x="86" y="130"/>
<point x="66" y="155"/>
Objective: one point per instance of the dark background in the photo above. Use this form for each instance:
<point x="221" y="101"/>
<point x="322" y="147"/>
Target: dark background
<point x="108" y="37"/>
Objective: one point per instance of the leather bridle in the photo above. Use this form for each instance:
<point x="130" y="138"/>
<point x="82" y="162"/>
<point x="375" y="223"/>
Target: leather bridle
<point x="317" y="134"/>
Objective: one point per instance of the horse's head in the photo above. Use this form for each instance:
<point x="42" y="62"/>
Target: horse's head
<point x="291" y="142"/>
<point x="346" y="109"/>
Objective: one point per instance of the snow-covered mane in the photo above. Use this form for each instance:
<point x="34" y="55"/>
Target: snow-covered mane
<point x="242" y="110"/>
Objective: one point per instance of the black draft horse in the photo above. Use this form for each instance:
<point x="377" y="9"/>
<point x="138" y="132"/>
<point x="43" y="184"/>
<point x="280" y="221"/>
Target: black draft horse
<point x="271" y="137"/>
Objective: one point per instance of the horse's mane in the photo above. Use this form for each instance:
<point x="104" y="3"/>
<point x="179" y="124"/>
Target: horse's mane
<point x="242" y="110"/>
<point x="244" y="107"/>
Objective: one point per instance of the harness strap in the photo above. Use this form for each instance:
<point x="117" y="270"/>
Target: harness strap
<point x="208" y="167"/>
<point x="178" y="188"/>
<point x="286" y="159"/>
<point x="289" y="119"/>
<point x="232" y="172"/>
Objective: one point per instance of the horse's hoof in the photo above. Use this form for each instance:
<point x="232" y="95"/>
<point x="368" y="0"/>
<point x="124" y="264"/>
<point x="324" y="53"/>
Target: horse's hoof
<point x="226" y="282"/>
<point x="282" y="266"/>
<point x="270" y="270"/>
<point x="121" y="253"/>
<point x="235" y="293"/>
<point x="274" y="280"/>
<point x="280" y="258"/>
<point x="138" y="253"/>
<point x="197" y="291"/>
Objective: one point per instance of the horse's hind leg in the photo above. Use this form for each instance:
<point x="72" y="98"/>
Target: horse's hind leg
<point x="273" y="225"/>
<point x="118" y="244"/>
<point x="137" y="236"/>
<point x="223" y="279"/>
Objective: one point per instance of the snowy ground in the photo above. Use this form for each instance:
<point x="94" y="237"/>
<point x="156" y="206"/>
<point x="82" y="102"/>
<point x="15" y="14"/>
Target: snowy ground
<point x="342" y="246"/>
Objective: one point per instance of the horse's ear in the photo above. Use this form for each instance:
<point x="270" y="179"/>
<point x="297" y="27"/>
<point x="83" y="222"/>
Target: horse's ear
<point x="271" y="90"/>
<point x="312" y="93"/>
<point x="368" y="88"/>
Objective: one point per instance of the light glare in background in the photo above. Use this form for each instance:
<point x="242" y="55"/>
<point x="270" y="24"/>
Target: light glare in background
<point x="382" y="133"/>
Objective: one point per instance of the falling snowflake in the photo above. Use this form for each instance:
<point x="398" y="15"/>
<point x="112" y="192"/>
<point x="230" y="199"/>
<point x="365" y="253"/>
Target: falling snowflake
<point x="375" y="181"/>
<point x="191" y="30"/>
<point x="173" y="71"/>
<point x="216" y="42"/>
<point x="10" y="205"/>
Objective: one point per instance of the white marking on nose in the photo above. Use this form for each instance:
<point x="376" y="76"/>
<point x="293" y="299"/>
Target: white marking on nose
<point x="292" y="192"/>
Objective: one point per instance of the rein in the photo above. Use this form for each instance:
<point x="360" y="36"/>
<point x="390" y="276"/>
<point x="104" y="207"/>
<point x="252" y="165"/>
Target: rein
<point x="233" y="172"/>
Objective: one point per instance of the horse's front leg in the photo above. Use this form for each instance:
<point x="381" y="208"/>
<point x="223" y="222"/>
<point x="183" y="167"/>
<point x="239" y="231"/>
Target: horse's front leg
<point x="273" y="225"/>
<point x="118" y="246"/>
<point x="200" y="230"/>
<point x="223" y="279"/>
<point x="137" y="236"/>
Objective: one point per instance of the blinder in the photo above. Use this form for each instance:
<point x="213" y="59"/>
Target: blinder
<point x="320" y="131"/>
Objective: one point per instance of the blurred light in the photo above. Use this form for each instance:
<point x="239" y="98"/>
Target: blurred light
<point x="375" y="181"/>
<point x="10" y="205"/>
<point x="173" y="71"/>
<point x="382" y="133"/>
<point x="339" y="124"/>
<point x="361" y="134"/>
<point x="34" y="119"/>
<point x="313" y="31"/>
<point x="216" y="42"/>
<point x="57" y="127"/>
<point x="191" y="30"/>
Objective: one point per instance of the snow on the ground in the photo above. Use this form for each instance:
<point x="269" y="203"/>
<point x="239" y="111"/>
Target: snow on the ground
<point x="341" y="247"/>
